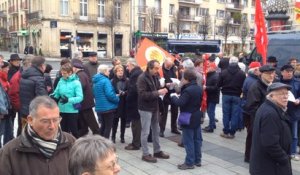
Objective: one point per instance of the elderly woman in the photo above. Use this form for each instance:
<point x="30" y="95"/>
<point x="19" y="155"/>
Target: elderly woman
<point x="106" y="99"/>
<point x="68" y="93"/>
<point x="272" y="139"/>
<point x="93" y="155"/>
<point x="189" y="103"/>
<point x="119" y="82"/>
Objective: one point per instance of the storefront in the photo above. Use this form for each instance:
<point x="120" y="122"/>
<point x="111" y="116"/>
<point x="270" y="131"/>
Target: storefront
<point x="65" y="44"/>
<point x="160" y="39"/>
<point x="118" y="44"/>
<point x="84" y="42"/>
<point x="102" y="45"/>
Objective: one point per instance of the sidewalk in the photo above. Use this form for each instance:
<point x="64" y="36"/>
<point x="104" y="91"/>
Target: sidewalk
<point x="220" y="156"/>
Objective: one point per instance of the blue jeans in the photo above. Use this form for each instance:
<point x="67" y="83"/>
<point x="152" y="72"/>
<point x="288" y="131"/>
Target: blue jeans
<point x="192" y="141"/>
<point x="6" y="128"/>
<point x="230" y="108"/>
<point x="211" y="108"/>
<point x="294" y="126"/>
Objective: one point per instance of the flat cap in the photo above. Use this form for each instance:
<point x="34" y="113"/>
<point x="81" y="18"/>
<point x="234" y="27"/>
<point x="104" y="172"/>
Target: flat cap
<point x="77" y="63"/>
<point x="92" y="54"/>
<point x="278" y="85"/>
<point x="287" y="67"/>
<point x="272" y="59"/>
<point x="14" y="57"/>
<point x="266" y="68"/>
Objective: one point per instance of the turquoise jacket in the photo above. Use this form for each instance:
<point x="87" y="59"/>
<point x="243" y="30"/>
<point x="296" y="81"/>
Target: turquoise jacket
<point x="105" y="95"/>
<point x="71" y="88"/>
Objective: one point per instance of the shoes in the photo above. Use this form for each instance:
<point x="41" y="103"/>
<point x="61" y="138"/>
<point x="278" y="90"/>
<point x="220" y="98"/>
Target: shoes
<point x="113" y="139"/>
<point x="208" y="130"/>
<point x="185" y="166"/>
<point x="246" y="160"/>
<point x="131" y="147"/>
<point x="161" y="134"/>
<point x="180" y="144"/>
<point x="122" y="140"/>
<point x="227" y="136"/>
<point x="175" y="132"/>
<point x="128" y="125"/>
<point x="216" y="120"/>
<point x="198" y="164"/>
<point x="149" y="158"/>
<point x="295" y="157"/>
<point x="161" y="155"/>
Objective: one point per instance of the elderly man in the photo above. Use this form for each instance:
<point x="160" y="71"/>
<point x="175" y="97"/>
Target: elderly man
<point x="93" y="155"/>
<point x="271" y="141"/>
<point x="92" y="65"/>
<point x="148" y="93"/>
<point x="255" y="97"/>
<point x="42" y="148"/>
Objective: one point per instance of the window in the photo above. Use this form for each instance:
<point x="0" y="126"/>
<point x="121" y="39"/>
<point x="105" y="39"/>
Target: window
<point x="253" y="3"/>
<point x="142" y="23"/>
<point x="202" y="11"/>
<point x="157" y="25"/>
<point x="117" y="10"/>
<point x="221" y="1"/>
<point x="245" y="3"/>
<point x="235" y="30"/>
<point x="220" y="14"/>
<point x="220" y="29"/>
<point x="171" y="27"/>
<point x="83" y="7"/>
<point x="64" y="7"/>
<point x="252" y="17"/>
<point x="101" y="8"/>
<point x="171" y="9"/>
<point x="244" y="17"/>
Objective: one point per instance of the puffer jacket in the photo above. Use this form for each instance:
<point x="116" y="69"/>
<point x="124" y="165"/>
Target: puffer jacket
<point x="32" y="84"/>
<point x="104" y="93"/>
<point x="71" y="88"/>
<point x="20" y="157"/>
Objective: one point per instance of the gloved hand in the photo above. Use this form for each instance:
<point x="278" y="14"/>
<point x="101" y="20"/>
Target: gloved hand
<point x="55" y="99"/>
<point x="64" y="99"/>
<point x="173" y="94"/>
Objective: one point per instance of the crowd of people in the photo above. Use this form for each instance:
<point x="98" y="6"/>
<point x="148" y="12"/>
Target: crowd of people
<point x="90" y="95"/>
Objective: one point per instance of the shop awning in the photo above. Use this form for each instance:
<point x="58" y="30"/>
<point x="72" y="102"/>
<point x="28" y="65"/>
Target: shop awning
<point x="85" y="32"/>
<point x="65" y="31"/>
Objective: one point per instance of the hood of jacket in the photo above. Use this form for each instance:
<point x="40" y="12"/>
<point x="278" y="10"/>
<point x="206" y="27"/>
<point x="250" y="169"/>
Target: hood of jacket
<point x="233" y="68"/>
<point x="99" y="77"/>
<point x="32" y="71"/>
<point x="70" y="78"/>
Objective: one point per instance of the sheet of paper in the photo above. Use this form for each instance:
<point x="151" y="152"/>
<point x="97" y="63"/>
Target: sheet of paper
<point x="291" y="97"/>
<point x="175" y="80"/>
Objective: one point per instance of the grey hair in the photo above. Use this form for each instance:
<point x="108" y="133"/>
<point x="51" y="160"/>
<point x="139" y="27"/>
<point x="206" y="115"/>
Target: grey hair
<point x="102" y="68"/>
<point x="233" y="59"/>
<point x="132" y="61"/>
<point x="187" y="64"/>
<point x="26" y="62"/>
<point x="77" y="55"/>
<point x="38" y="61"/>
<point x="86" y="151"/>
<point x="44" y="101"/>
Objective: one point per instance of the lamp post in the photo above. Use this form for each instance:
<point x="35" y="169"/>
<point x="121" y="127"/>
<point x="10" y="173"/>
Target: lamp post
<point x="244" y="35"/>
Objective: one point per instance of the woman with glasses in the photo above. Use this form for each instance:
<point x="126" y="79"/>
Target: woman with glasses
<point x="68" y="94"/>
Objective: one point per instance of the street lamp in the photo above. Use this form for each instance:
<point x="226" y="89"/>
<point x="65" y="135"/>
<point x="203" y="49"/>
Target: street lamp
<point x="244" y="35"/>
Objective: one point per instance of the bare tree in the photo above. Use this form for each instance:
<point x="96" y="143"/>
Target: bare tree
<point x="244" y="30"/>
<point x="111" y="21"/>
<point x="205" y="26"/>
<point x="151" y="20"/>
<point x="177" y="20"/>
<point x="226" y="29"/>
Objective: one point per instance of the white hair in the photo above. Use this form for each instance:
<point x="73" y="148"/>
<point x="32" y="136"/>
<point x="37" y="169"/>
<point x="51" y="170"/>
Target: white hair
<point x="233" y="59"/>
<point x="132" y="61"/>
<point x="188" y="64"/>
<point x="102" y="68"/>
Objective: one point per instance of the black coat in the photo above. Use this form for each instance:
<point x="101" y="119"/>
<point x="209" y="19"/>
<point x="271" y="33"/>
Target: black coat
<point x="212" y="88"/>
<point x="11" y="71"/>
<point x="231" y="80"/>
<point x="132" y="94"/>
<point x="120" y="86"/>
<point x="271" y="142"/>
<point x="255" y="97"/>
<point x="148" y="87"/>
<point x="32" y="84"/>
<point x="168" y="74"/>
<point x="190" y="101"/>
<point x="88" y="96"/>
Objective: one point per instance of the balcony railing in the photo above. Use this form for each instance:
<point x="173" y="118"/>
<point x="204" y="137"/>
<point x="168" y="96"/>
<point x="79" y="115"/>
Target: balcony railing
<point x="13" y="9"/>
<point x="234" y="22"/>
<point x="191" y="1"/>
<point x="187" y="17"/>
<point x="37" y="15"/>
<point x="24" y="26"/>
<point x="142" y="9"/>
<point x="234" y="6"/>
<point x="3" y="14"/>
<point x="158" y="11"/>
<point x="12" y="28"/>
<point x="24" y="6"/>
<point x="90" y="18"/>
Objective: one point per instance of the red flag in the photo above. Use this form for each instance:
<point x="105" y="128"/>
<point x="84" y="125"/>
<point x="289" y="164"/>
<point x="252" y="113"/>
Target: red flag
<point x="204" y="95"/>
<point x="297" y="10"/>
<point x="261" y="39"/>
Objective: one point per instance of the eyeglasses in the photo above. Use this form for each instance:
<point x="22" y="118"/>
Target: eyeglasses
<point x="49" y="121"/>
<point x="113" y="163"/>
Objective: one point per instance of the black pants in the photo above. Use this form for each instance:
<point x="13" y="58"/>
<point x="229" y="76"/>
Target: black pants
<point x="163" y="118"/>
<point x="248" y="120"/>
<point x="115" y="126"/>
<point x="136" y="128"/>
<point x="107" y="123"/>
<point x="69" y="123"/>
<point x="86" y="119"/>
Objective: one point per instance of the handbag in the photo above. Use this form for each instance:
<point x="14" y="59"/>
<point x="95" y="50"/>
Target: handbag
<point x="77" y="106"/>
<point x="184" y="118"/>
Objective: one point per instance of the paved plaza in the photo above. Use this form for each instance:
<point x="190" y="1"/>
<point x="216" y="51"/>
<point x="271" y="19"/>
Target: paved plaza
<point x="220" y="156"/>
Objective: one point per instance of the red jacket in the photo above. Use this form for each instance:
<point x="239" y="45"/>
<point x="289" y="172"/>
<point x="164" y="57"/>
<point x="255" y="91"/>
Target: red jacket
<point x="14" y="91"/>
<point x="3" y="80"/>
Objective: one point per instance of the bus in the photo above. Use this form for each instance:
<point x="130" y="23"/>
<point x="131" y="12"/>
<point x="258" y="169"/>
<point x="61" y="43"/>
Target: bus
<point x="194" y="46"/>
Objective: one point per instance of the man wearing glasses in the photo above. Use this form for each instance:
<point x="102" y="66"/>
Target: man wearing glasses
<point x="42" y="148"/>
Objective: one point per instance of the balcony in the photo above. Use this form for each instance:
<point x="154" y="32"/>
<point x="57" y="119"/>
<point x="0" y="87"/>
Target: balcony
<point x="142" y="9"/>
<point x="90" y="18"/>
<point x="187" y="17"/>
<point x="3" y="14"/>
<point x="234" y="22"/>
<point x="13" y="10"/>
<point x="191" y="2"/>
<point x="158" y="11"/>
<point x="12" y="28"/>
<point x="24" y="26"/>
<point x="37" y="15"/>
<point x="24" y="6"/>
<point x="234" y="6"/>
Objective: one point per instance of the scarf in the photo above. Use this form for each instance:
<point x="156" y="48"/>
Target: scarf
<point x="47" y="148"/>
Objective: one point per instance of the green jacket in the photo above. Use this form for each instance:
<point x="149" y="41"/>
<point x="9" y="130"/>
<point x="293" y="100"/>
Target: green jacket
<point x="71" y="88"/>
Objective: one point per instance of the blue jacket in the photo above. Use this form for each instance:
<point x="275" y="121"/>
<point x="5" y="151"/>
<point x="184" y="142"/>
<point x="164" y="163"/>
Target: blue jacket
<point x="190" y="101"/>
<point x="4" y="102"/>
<point x="71" y="88"/>
<point x="105" y="95"/>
